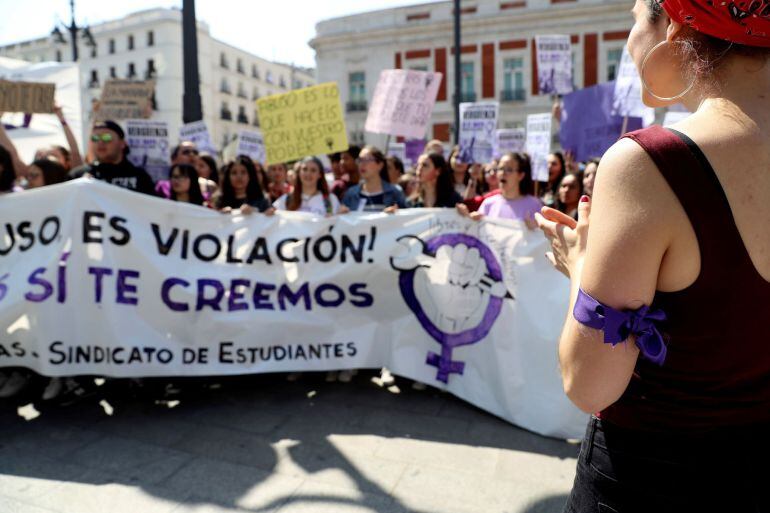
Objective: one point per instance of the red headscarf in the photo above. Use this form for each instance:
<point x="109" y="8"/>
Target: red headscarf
<point x="745" y="22"/>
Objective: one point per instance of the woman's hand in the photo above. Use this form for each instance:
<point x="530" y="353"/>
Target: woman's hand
<point x="247" y="210"/>
<point x="568" y="238"/>
<point x="269" y="212"/>
<point x="391" y="209"/>
<point x="343" y="209"/>
<point x="463" y="210"/>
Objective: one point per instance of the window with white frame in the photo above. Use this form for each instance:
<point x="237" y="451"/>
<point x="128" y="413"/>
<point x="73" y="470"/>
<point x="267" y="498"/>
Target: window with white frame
<point x="468" y="81"/>
<point x="513" y="79"/>
<point x="614" y="56"/>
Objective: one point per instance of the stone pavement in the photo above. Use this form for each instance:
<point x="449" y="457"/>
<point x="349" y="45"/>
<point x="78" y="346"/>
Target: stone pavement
<point x="263" y="444"/>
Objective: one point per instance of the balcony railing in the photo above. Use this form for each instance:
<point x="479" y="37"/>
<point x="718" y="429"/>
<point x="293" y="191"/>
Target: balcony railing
<point x="357" y="106"/>
<point x="467" y="97"/>
<point x="513" y="95"/>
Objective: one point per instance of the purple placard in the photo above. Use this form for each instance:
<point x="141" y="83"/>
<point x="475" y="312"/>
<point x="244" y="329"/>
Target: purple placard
<point x="415" y="148"/>
<point x="588" y="127"/>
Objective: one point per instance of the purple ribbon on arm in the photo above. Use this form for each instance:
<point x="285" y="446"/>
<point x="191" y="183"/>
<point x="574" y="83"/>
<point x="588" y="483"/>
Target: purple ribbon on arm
<point x="618" y="326"/>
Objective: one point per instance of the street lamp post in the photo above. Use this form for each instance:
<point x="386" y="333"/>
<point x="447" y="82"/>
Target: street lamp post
<point x="192" y="110"/>
<point x="73" y="29"/>
<point x="458" y="76"/>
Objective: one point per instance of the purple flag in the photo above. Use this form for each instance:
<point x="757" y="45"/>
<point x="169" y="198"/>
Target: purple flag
<point x="588" y="127"/>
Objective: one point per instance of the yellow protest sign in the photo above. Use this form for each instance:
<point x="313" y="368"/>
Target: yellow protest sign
<point x="301" y="123"/>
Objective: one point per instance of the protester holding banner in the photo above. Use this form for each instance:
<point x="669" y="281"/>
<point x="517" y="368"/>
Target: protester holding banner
<point x="589" y="176"/>
<point x="310" y="192"/>
<point x="669" y="259"/>
<point x="111" y="165"/>
<point x="570" y="192"/>
<point x="183" y="153"/>
<point x="436" y="189"/>
<point x="184" y="185"/>
<point x="241" y="189"/>
<point x="556" y="171"/>
<point x="45" y="172"/>
<point x="516" y="200"/>
<point x="461" y="175"/>
<point x="375" y="193"/>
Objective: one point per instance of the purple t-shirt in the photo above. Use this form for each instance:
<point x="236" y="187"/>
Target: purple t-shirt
<point x="518" y="209"/>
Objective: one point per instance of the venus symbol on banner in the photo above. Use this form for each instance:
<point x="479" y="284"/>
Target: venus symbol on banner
<point x="454" y="285"/>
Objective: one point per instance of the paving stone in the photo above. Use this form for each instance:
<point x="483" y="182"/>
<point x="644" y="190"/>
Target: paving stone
<point x="103" y="498"/>
<point x="134" y="461"/>
<point x="316" y="497"/>
<point x="13" y="506"/>
<point x="462" y="458"/>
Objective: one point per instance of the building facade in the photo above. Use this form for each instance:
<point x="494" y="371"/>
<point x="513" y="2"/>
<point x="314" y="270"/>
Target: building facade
<point x="148" y="44"/>
<point x="497" y="53"/>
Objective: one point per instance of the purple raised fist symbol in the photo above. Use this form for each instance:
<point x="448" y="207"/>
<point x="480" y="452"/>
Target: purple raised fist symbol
<point x="454" y="286"/>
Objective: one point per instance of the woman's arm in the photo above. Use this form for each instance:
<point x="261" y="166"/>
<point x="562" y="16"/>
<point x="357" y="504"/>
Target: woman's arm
<point x="617" y="262"/>
<point x="76" y="160"/>
<point x="19" y="166"/>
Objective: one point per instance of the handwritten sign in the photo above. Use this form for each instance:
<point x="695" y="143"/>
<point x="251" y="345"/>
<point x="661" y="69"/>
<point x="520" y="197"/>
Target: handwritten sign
<point x="197" y="133"/>
<point x="126" y="99"/>
<point x="539" y="144"/>
<point x="304" y="122"/>
<point x="403" y="102"/>
<point x="554" y="64"/>
<point x="28" y="97"/>
<point x="510" y="140"/>
<point x="251" y="143"/>
<point x="478" y="123"/>
<point x="149" y="143"/>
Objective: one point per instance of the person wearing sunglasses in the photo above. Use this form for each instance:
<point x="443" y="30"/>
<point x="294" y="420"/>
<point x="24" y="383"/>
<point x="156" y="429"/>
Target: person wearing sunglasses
<point x="108" y="146"/>
<point x="183" y="153"/>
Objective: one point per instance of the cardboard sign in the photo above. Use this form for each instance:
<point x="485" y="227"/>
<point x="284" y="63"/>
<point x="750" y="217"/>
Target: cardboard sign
<point x="403" y="102"/>
<point x="149" y="143"/>
<point x="251" y="143"/>
<point x="478" y="124"/>
<point x="27" y="97"/>
<point x="554" y="64"/>
<point x="539" y="144"/>
<point x="125" y="99"/>
<point x="301" y="123"/>
<point x="510" y="140"/>
<point x="627" y="98"/>
<point x="198" y="133"/>
<point x="588" y="127"/>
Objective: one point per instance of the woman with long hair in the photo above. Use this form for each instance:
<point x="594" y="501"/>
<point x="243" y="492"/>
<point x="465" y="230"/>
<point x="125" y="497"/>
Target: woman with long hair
<point x="208" y="176"/>
<point x="375" y="193"/>
<point x="556" y="171"/>
<point x="516" y="199"/>
<point x="666" y="341"/>
<point x="569" y="193"/>
<point x="460" y="171"/>
<point x="310" y="192"/>
<point x="45" y="172"/>
<point x="185" y="186"/>
<point x="241" y="189"/>
<point x="436" y="189"/>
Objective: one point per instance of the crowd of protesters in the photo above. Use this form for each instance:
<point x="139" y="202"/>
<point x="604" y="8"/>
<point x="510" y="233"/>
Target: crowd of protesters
<point x="358" y="180"/>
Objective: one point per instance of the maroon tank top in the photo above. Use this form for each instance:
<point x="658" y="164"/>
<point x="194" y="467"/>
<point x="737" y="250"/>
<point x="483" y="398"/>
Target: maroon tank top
<point x="717" y="368"/>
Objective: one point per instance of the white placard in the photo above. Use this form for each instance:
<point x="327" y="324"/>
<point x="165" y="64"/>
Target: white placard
<point x="627" y="98"/>
<point x="250" y="143"/>
<point x="478" y="125"/>
<point x="539" y="144"/>
<point x="149" y="143"/>
<point x="510" y="140"/>
<point x="399" y="150"/>
<point x="403" y="103"/>
<point x="554" y="64"/>
<point x="198" y="133"/>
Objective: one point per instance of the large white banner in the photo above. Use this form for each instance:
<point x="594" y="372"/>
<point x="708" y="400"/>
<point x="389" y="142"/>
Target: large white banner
<point x="30" y="133"/>
<point x="98" y="280"/>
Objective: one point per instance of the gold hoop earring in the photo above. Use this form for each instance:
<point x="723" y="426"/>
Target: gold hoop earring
<point x="647" y="87"/>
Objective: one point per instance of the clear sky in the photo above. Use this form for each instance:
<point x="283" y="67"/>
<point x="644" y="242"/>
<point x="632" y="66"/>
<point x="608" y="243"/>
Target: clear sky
<point x="273" y="29"/>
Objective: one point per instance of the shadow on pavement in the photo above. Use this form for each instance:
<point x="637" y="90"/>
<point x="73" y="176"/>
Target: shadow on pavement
<point x="257" y="443"/>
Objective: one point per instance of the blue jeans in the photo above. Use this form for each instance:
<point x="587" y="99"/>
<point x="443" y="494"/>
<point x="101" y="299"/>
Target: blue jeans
<point x="628" y="471"/>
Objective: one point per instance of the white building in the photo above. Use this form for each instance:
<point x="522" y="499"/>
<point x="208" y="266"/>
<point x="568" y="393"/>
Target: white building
<point x="148" y="44"/>
<point x="497" y="51"/>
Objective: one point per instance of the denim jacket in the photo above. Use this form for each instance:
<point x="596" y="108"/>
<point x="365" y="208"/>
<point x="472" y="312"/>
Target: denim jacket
<point x="392" y="196"/>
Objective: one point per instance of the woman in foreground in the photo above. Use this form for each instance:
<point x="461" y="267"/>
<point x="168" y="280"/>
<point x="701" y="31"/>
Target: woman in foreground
<point x="680" y="390"/>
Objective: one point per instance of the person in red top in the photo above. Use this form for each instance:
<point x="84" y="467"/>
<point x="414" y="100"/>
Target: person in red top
<point x="666" y="343"/>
